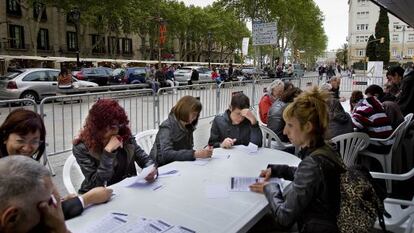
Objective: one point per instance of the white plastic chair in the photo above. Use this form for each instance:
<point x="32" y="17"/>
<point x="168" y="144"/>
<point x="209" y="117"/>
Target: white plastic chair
<point x="400" y="218"/>
<point x="394" y="139"/>
<point x="146" y="139"/>
<point x="258" y="117"/>
<point x="408" y="117"/>
<point x="271" y="140"/>
<point x="67" y="168"/>
<point x="350" y="144"/>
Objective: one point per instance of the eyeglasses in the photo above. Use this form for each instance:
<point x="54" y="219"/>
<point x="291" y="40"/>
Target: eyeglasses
<point x="33" y="143"/>
<point x="118" y="126"/>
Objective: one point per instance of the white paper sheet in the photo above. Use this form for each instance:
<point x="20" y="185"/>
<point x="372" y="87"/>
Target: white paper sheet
<point x="251" y="148"/>
<point x="118" y="222"/>
<point x="133" y="182"/>
<point x="138" y="180"/>
<point x="241" y="184"/>
<point x="107" y="224"/>
<point x="220" y="156"/>
<point x="143" y="225"/>
<point x="145" y="172"/>
<point x="180" y="229"/>
<point x="168" y="173"/>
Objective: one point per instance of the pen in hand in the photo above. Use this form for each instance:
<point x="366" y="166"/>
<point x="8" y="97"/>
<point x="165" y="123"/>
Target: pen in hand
<point x="105" y="183"/>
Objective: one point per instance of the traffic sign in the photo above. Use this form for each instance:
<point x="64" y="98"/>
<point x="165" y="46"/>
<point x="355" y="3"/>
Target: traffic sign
<point x="264" y="33"/>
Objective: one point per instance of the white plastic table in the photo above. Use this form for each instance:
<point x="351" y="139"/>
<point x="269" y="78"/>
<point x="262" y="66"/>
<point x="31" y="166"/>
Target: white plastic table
<point x="182" y="199"/>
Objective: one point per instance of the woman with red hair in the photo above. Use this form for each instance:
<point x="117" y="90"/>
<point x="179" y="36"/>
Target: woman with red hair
<point x="105" y="148"/>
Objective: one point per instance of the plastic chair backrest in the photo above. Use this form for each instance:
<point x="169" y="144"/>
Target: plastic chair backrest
<point x="258" y="117"/>
<point x="146" y="139"/>
<point x="400" y="131"/>
<point x="269" y="136"/>
<point x="400" y="218"/>
<point x="350" y="144"/>
<point x="409" y="117"/>
<point x="67" y="168"/>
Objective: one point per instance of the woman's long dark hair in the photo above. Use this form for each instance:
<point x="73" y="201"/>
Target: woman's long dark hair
<point x="22" y="121"/>
<point x="104" y="112"/>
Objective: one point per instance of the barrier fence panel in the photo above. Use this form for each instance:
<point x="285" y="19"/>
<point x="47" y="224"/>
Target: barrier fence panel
<point x="349" y="84"/>
<point x="6" y="106"/>
<point x="64" y="115"/>
<point x="227" y="89"/>
<point x="168" y="97"/>
<point x="305" y="82"/>
<point x="260" y="87"/>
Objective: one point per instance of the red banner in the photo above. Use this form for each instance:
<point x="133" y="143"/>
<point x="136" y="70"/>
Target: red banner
<point x="163" y="32"/>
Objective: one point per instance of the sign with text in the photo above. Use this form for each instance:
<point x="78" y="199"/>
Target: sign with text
<point x="264" y="33"/>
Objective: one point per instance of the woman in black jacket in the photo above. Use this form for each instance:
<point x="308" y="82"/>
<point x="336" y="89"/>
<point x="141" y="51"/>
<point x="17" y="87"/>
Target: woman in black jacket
<point x="312" y="199"/>
<point x="174" y="140"/>
<point x="23" y="133"/>
<point x="105" y="149"/>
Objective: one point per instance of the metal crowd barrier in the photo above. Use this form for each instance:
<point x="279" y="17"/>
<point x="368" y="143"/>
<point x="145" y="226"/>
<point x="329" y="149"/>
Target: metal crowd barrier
<point x="167" y="97"/>
<point x="227" y="89"/>
<point x="6" y="106"/>
<point x="64" y="115"/>
<point x="349" y="84"/>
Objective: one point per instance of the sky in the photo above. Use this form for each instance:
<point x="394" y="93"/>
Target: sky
<point x="335" y="24"/>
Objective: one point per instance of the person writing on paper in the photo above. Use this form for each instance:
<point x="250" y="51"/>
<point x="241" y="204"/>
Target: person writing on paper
<point x="236" y="126"/>
<point x="174" y="140"/>
<point x="23" y="133"/>
<point x="105" y="149"/>
<point x="312" y="198"/>
<point x="29" y="201"/>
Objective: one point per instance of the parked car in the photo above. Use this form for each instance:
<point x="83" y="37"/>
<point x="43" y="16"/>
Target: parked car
<point x="34" y="83"/>
<point x="131" y="75"/>
<point x="183" y="74"/>
<point x="117" y="76"/>
<point x="81" y="83"/>
<point x="248" y="72"/>
<point x="99" y="75"/>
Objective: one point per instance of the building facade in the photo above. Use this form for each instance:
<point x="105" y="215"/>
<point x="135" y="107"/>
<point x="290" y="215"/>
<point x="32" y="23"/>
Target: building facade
<point x="363" y="15"/>
<point x="328" y="57"/>
<point x="56" y="35"/>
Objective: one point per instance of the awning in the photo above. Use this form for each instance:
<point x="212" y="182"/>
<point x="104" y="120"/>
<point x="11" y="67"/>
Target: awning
<point x="402" y="9"/>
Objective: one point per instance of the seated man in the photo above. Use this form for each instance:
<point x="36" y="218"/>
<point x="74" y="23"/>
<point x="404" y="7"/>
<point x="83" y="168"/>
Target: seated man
<point x="368" y="115"/>
<point x="28" y="199"/>
<point x="391" y="108"/>
<point x="236" y="126"/>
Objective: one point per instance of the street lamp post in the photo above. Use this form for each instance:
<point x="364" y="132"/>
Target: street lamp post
<point x="75" y="15"/>
<point x="209" y="47"/>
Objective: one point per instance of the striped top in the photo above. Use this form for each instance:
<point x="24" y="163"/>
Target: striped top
<point x="369" y="116"/>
